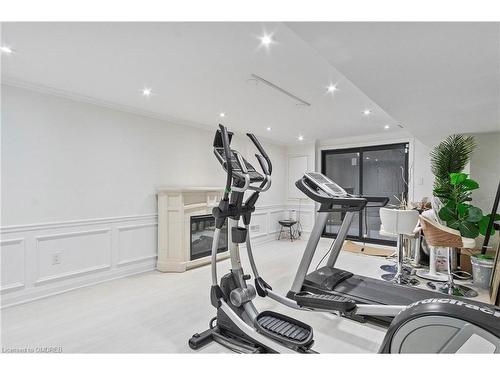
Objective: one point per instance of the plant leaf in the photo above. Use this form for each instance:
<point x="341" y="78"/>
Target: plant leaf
<point x="483" y="225"/>
<point x="441" y="193"/>
<point x="453" y="223"/>
<point x="447" y="214"/>
<point x="469" y="184"/>
<point x="497" y="217"/>
<point x="475" y="214"/>
<point x="463" y="208"/>
<point x="451" y="155"/>
<point x="483" y="256"/>
<point x="468" y="229"/>
<point x="457" y="178"/>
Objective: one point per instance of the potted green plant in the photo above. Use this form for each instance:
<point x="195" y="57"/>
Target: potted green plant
<point x="451" y="155"/>
<point x="459" y="214"/>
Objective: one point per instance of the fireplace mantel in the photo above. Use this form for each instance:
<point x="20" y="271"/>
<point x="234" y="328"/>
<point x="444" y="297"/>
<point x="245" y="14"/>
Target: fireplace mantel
<point x="176" y="205"/>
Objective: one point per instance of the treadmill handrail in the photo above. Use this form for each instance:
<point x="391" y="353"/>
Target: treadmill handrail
<point x="375" y="199"/>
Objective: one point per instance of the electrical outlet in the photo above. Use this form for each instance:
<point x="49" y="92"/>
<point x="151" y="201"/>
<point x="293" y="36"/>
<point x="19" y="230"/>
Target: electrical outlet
<point x="56" y="258"/>
<point x="254" y="228"/>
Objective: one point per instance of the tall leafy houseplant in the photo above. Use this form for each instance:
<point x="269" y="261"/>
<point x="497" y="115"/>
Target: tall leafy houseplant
<point x="450" y="156"/>
<point x="457" y="212"/>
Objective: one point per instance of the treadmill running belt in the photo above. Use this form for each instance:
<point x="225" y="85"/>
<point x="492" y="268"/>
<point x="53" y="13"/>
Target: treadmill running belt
<point x="366" y="289"/>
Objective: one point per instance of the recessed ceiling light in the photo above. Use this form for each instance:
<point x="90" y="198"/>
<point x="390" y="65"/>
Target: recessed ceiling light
<point x="6" y="49"/>
<point x="147" y="91"/>
<point x="386" y="127"/>
<point x="367" y="158"/>
<point x="268" y="128"/>
<point x="366" y="112"/>
<point x="266" y="40"/>
<point x="332" y="88"/>
<point x="222" y="114"/>
<point x="300" y="137"/>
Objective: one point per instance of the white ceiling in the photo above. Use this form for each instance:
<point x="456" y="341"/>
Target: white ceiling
<point x="426" y="77"/>
<point x="196" y="71"/>
<point x="435" y="78"/>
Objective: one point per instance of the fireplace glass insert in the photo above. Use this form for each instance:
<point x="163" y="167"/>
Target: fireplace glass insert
<point x="202" y="234"/>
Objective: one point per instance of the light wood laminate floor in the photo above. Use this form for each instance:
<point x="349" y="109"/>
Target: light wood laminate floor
<point x="157" y="312"/>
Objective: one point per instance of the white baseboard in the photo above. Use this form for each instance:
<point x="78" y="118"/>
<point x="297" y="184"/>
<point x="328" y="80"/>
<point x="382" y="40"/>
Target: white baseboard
<point x="33" y="294"/>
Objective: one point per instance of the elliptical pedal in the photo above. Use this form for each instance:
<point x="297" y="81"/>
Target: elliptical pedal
<point x="325" y="302"/>
<point x="284" y="329"/>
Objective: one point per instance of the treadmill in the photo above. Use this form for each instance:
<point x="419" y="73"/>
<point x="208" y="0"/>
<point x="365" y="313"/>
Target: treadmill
<point x="335" y="281"/>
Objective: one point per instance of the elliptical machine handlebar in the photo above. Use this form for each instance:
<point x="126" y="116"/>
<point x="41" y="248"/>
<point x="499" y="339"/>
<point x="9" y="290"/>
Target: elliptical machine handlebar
<point x="229" y="167"/>
<point x="265" y="165"/>
<point x="263" y="153"/>
<point x="237" y="167"/>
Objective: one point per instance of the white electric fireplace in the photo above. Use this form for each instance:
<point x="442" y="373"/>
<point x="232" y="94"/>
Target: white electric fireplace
<point x="186" y="226"/>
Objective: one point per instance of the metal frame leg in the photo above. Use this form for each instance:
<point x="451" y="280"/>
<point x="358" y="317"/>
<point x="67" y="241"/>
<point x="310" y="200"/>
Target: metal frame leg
<point x="281" y="230"/>
<point x="308" y="254"/>
<point x="450" y="287"/>
<point x="401" y="277"/>
<point x="406" y="268"/>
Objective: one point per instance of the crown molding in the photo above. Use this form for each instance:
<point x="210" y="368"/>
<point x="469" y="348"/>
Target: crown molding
<point x="49" y="90"/>
<point x="69" y="95"/>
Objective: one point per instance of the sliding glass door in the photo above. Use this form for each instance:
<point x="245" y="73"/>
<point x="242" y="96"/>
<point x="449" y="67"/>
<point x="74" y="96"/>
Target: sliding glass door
<point x="375" y="170"/>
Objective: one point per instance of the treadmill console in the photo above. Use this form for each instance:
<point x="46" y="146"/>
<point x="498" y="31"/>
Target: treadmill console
<point x="325" y="184"/>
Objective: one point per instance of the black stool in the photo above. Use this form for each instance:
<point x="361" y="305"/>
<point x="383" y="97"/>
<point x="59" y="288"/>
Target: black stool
<point x="287" y="224"/>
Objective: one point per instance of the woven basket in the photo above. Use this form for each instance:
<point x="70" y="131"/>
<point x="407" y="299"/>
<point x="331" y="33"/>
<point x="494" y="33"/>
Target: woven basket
<point x="438" y="235"/>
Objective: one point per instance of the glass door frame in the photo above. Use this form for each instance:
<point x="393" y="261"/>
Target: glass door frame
<point x="360" y="151"/>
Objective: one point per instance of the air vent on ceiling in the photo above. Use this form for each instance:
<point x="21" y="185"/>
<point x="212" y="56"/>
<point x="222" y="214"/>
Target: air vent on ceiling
<point x="281" y="90"/>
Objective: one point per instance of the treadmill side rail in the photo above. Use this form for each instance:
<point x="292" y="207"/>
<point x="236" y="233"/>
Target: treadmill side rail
<point x="379" y="310"/>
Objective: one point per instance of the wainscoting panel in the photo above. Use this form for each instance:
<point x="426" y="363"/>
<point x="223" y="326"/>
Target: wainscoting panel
<point x="259" y="226"/>
<point x="39" y="260"/>
<point x="71" y="254"/>
<point x="12" y="260"/>
<point x="137" y="243"/>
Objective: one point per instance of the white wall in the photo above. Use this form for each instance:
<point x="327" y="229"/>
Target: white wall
<point x="303" y="155"/>
<point x="423" y="179"/>
<point x="64" y="160"/>
<point x="78" y="189"/>
<point x="485" y="169"/>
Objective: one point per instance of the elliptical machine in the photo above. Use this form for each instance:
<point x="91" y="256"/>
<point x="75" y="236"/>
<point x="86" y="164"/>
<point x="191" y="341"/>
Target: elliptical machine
<point x="238" y="325"/>
<point x="432" y="325"/>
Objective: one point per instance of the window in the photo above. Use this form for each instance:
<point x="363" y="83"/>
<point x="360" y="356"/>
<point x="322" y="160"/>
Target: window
<point x="375" y="170"/>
